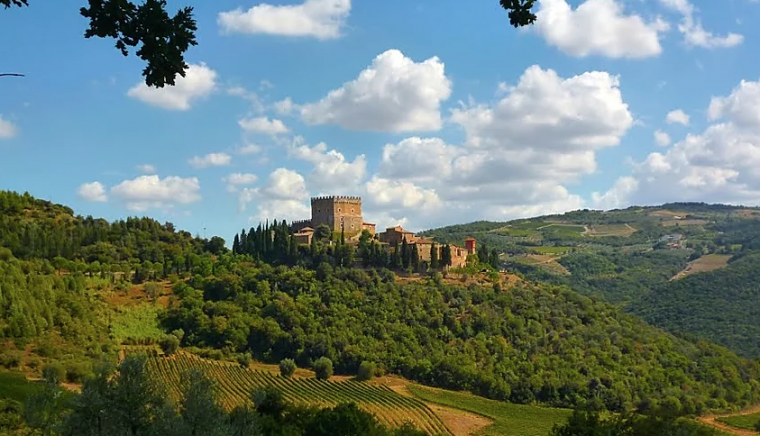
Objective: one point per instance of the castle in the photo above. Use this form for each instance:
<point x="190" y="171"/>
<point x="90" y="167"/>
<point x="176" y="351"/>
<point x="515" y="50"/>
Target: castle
<point x="341" y="213"/>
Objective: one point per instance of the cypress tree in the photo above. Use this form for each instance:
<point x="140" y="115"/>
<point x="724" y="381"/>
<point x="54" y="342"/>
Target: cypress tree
<point x="293" y="245"/>
<point x="415" y="257"/>
<point x="395" y="257"/>
<point x="433" y="256"/>
<point x="405" y="255"/>
<point x="236" y="245"/>
<point x="446" y="256"/>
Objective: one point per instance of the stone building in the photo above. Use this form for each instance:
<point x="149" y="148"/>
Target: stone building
<point x="337" y="212"/>
<point x="396" y="235"/>
<point x="345" y="213"/>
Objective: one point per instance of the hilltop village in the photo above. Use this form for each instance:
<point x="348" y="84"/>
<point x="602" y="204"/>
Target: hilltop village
<point x="344" y="214"/>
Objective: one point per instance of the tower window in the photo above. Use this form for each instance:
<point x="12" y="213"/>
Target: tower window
<point x="352" y="211"/>
<point x="338" y="209"/>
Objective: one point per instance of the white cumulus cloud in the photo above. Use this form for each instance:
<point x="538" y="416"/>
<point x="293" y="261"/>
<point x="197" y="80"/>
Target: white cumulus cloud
<point x="283" y="196"/>
<point x="677" y="116"/>
<point x="263" y="125"/>
<point x="149" y="192"/>
<point x="519" y="156"/>
<point x="694" y="33"/>
<point x="238" y="179"/>
<point x="7" y="129"/>
<point x="598" y="27"/>
<point x="719" y="165"/>
<point x="331" y="169"/>
<point x="661" y="138"/>
<point x="210" y="160"/>
<point x="93" y="191"/>
<point x="199" y="82"/>
<point x="320" y="19"/>
<point x="394" y="94"/>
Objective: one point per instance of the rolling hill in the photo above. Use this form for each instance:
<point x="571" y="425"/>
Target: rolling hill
<point x="685" y="267"/>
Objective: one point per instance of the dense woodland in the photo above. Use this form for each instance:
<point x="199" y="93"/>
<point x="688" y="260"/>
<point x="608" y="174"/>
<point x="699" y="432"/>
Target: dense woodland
<point x="634" y="271"/>
<point x="525" y="342"/>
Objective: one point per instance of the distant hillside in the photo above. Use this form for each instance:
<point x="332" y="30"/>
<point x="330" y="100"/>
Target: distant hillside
<point x="722" y="306"/>
<point x="654" y="261"/>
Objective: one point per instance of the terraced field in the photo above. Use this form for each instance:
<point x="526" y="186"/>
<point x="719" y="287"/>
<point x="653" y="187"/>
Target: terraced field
<point x="237" y="383"/>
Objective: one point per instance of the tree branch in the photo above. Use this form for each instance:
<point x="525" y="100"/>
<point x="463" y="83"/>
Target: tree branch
<point x="11" y="74"/>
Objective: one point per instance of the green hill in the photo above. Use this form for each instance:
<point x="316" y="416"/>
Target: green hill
<point x="677" y="265"/>
<point x="528" y="340"/>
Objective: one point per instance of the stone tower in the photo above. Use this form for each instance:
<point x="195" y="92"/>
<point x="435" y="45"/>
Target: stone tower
<point x="336" y="211"/>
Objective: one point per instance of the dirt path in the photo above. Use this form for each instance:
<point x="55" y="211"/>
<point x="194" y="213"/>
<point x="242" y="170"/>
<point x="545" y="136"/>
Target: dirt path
<point x="459" y="422"/>
<point x="712" y="421"/>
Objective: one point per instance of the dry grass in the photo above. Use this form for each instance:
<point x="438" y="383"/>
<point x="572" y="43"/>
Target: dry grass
<point x="459" y="422"/>
<point x="707" y="262"/>
<point x="694" y="222"/>
<point x="665" y="213"/>
<point x="747" y="213"/>
<point x="623" y="230"/>
<point x="136" y="296"/>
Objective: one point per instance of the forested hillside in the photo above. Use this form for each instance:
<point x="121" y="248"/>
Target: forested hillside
<point x="504" y="338"/>
<point x="721" y="305"/>
<point x="525" y="343"/>
<point x="686" y="267"/>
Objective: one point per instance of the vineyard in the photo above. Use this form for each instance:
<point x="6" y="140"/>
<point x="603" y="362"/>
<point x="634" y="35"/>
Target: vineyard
<point x="237" y="383"/>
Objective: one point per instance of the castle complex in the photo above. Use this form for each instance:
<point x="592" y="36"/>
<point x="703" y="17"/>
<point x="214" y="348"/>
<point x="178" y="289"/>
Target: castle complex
<point x="341" y="213"/>
<point x="336" y="212"/>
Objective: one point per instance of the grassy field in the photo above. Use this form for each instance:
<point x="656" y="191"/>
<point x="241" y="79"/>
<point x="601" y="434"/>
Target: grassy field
<point x="708" y="262"/>
<point x="509" y="419"/>
<point x="746" y="422"/>
<point x="552" y="250"/>
<point x="237" y="383"/>
<point x="611" y="230"/>
<point x="680" y="223"/>
<point x="16" y="387"/>
<point x="136" y="322"/>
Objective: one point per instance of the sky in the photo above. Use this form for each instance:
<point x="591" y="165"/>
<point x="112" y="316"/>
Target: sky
<point x="434" y="112"/>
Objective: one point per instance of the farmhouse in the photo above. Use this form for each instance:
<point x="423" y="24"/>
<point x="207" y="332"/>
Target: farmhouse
<point x="342" y="213"/>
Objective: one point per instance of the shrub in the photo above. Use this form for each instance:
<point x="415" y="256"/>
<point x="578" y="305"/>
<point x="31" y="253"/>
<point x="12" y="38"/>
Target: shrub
<point x="169" y="344"/>
<point x="153" y="290"/>
<point x="53" y="373"/>
<point x="244" y="360"/>
<point x="179" y="333"/>
<point x="10" y="359"/>
<point x="366" y="371"/>
<point x="287" y="367"/>
<point x="76" y="372"/>
<point x="323" y="368"/>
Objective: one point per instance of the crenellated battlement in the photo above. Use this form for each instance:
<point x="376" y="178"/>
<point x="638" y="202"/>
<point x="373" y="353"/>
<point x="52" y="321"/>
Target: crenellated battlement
<point x="337" y="199"/>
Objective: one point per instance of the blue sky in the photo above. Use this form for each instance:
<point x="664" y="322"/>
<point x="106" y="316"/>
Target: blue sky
<point x="434" y="112"/>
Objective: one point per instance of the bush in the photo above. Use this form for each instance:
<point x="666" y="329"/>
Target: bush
<point x="153" y="290"/>
<point x="244" y="360"/>
<point x="287" y="367"/>
<point x="11" y="359"/>
<point x="323" y="368"/>
<point x="366" y="371"/>
<point x="76" y="372"/>
<point x="169" y="344"/>
<point x="53" y="373"/>
<point x="179" y="333"/>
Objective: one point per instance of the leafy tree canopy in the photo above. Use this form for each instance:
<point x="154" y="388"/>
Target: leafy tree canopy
<point x="163" y="39"/>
